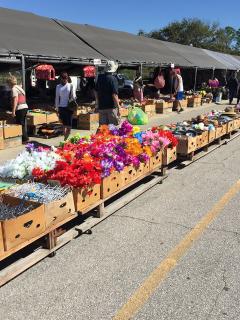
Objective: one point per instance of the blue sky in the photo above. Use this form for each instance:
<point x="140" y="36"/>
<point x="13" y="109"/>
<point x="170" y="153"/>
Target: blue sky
<point x="131" y="15"/>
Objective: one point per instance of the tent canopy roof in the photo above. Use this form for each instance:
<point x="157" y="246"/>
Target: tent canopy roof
<point x="30" y="34"/>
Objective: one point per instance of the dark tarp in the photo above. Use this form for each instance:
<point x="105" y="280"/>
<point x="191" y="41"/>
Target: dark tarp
<point x="196" y="56"/>
<point x="30" y="34"/>
<point x="125" y="47"/>
<point x="230" y="61"/>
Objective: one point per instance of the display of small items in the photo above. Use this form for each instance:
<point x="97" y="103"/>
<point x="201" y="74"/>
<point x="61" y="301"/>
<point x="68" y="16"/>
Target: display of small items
<point x="9" y="211"/>
<point x="39" y="192"/>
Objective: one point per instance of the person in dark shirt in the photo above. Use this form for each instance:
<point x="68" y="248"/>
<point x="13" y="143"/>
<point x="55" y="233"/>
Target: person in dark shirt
<point x="232" y="86"/>
<point x="107" y="96"/>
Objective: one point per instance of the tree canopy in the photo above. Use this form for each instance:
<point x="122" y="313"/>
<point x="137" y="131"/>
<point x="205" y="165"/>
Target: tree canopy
<point x="200" y="34"/>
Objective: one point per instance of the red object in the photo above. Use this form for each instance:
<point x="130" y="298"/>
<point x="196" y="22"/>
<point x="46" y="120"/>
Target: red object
<point x="45" y="72"/>
<point x="21" y="99"/>
<point x="89" y="71"/>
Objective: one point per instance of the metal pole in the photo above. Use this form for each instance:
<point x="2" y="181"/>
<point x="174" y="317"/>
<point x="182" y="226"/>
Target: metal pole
<point x="195" y="79"/>
<point x="23" y="73"/>
<point x="213" y="72"/>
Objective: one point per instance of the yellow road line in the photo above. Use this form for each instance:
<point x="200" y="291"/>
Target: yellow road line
<point x="143" y="293"/>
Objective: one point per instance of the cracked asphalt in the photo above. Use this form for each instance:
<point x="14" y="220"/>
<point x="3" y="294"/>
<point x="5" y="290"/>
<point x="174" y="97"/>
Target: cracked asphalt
<point x="93" y="276"/>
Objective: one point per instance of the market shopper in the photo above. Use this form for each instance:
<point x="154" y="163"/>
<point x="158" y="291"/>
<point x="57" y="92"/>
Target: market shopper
<point x="107" y="101"/>
<point x="138" y="87"/>
<point x="65" y="92"/>
<point x="19" y="106"/>
<point x="178" y="88"/>
<point x="232" y="86"/>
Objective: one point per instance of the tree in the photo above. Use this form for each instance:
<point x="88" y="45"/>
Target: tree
<point x="199" y="34"/>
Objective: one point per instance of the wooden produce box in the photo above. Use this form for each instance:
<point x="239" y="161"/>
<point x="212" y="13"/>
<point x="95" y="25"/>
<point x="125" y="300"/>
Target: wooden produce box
<point x="143" y="169"/>
<point x="59" y="210"/>
<point x="230" y="126"/>
<point x="186" y="145"/>
<point x="183" y="104"/>
<point x="34" y="119"/>
<point x="164" y="107"/>
<point x="211" y="136"/>
<point x="83" y="200"/>
<point x="111" y="184"/>
<point x="169" y="155"/>
<point x="12" y="130"/>
<point x="24" y="228"/>
<point x="89" y="121"/>
<point x="221" y="130"/>
<point x="52" y="117"/>
<point x="1" y="240"/>
<point x="156" y="161"/>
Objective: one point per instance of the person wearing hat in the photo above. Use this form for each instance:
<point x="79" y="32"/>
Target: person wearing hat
<point x="64" y="93"/>
<point x="107" y="101"/>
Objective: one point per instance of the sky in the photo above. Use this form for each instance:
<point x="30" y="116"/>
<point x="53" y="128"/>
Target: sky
<point x="132" y="15"/>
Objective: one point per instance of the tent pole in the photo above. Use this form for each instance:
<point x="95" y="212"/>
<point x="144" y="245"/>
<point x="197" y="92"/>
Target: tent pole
<point x="23" y="73"/>
<point x="195" y="79"/>
<point x="213" y="72"/>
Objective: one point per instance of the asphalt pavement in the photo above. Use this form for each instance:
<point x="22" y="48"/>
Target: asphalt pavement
<point x="94" y="276"/>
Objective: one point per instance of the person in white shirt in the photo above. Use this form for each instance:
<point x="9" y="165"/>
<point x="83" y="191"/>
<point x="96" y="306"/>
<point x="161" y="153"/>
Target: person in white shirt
<point x="65" y="92"/>
<point x="178" y="86"/>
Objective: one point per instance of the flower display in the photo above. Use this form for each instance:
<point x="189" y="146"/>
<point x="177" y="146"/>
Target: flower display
<point x="82" y="162"/>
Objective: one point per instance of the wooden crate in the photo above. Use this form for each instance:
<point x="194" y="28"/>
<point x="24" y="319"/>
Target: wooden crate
<point x="149" y="108"/>
<point x="211" y="136"/>
<point x="83" y="200"/>
<point x="205" y="139"/>
<point x="169" y="155"/>
<point x="24" y="228"/>
<point x="11" y="131"/>
<point x="59" y="210"/>
<point x="186" y="145"/>
<point x="111" y="184"/>
<point x="89" y="121"/>
<point x="1" y="240"/>
<point x="156" y="161"/>
<point x="34" y="119"/>
<point x="12" y="142"/>
<point x="88" y="126"/>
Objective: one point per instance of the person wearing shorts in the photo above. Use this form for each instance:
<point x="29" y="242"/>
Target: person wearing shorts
<point x="65" y="92"/>
<point x="178" y="86"/>
<point x="107" y="96"/>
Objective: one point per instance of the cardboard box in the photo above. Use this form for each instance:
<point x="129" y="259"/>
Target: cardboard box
<point x="12" y="130"/>
<point x="12" y="142"/>
<point x="211" y="136"/>
<point x="52" y="117"/>
<point x="183" y="103"/>
<point x="22" y="229"/>
<point x="59" y="210"/>
<point x="1" y="240"/>
<point x="164" y="107"/>
<point x="89" y="117"/>
<point x="1" y="139"/>
<point x="34" y="119"/>
<point x="186" y="145"/>
<point x="82" y="198"/>
<point x="230" y="126"/>
<point x="156" y="161"/>
<point x="111" y="184"/>
<point x="169" y="155"/>
<point x="123" y="112"/>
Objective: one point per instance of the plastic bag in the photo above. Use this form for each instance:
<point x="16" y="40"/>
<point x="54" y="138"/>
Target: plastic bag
<point x="137" y="116"/>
